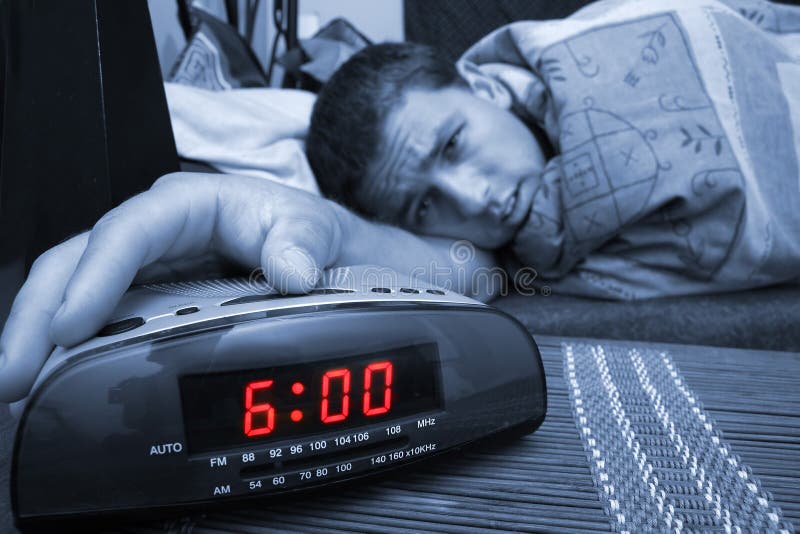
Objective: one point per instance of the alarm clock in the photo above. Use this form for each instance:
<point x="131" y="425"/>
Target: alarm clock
<point x="221" y="390"/>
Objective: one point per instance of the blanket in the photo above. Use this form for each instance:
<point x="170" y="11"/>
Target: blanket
<point x="677" y="130"/>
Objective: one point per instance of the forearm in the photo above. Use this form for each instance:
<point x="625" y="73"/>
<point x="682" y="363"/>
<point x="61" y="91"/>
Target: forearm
<point x="454" y="265"/>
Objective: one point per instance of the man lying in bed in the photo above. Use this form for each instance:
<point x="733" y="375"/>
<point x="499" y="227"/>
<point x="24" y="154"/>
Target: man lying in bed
<point x="652" y="191"/>
<point x="676" y="128"/>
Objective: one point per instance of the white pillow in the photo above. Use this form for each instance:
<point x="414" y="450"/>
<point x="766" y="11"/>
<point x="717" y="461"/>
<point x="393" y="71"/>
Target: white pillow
<point x="254" y="132"/>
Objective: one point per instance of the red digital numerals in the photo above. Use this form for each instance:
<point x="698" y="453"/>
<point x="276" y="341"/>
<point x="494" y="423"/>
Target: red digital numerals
<point x="259" y="419"/>
<point x="386" y="369"/>
<point x="344" y="376"/>
<point x="267" y="421"/>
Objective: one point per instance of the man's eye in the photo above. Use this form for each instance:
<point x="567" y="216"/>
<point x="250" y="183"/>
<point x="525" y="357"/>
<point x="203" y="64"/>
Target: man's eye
<point x="450" y="150"/>
<point x="422" y="209"/>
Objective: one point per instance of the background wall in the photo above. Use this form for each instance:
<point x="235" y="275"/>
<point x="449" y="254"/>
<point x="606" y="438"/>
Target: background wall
<point x="379" y="20"/>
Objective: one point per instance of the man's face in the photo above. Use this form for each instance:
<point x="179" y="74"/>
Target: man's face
<point x="455" y="165"/>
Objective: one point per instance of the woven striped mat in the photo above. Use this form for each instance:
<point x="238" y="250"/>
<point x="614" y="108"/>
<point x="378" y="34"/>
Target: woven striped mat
<point x="638" y="437"/>
<point x="657" y="457"/>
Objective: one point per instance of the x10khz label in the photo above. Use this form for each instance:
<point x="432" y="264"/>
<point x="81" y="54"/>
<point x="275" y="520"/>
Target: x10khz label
<point x="401" y="455"/>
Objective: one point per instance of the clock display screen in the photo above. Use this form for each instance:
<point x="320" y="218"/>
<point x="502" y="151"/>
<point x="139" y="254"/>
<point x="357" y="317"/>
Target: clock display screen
<point x="240" y="408"/>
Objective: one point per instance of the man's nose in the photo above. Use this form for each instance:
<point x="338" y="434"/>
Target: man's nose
<point x="470" y="192"/>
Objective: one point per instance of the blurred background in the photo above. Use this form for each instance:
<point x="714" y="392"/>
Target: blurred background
<point x="379" y="21"/>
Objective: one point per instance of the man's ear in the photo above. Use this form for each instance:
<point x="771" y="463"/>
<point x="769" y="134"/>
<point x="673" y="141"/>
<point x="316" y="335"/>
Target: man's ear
<point x="483" y="85"/>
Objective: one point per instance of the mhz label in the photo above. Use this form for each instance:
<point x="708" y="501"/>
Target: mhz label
<point x="426" y="422"/>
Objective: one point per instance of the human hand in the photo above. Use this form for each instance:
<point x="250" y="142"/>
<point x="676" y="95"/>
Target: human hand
<point x="183" y="222"/>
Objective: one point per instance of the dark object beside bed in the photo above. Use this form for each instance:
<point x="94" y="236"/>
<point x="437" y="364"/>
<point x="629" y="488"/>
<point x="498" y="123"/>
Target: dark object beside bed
<point x="84" y="122"/>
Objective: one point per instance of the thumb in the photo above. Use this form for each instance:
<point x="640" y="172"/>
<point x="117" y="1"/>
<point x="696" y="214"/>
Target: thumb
<point x="296" y="251"/>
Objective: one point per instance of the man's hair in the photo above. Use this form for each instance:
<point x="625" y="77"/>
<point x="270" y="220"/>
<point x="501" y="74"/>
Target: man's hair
<point x="346" y="129"/>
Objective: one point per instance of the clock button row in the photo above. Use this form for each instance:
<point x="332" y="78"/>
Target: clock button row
<point x="126" y="325"/>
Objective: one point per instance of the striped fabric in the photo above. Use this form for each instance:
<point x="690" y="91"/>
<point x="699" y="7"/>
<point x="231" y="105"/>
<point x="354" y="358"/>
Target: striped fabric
<point x="658" y="460"/>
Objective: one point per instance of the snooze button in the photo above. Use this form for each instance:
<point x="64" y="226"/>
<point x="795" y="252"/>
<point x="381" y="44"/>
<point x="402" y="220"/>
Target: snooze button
<point x="120" y="327"/>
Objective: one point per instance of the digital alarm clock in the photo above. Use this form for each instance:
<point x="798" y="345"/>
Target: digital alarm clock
<point x="210" y="391"/>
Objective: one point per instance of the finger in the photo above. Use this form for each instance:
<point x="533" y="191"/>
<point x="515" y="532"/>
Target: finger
<point x="163" y="222"/>
<point x="295" y="252"/>
<point x="26" y="343"/>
